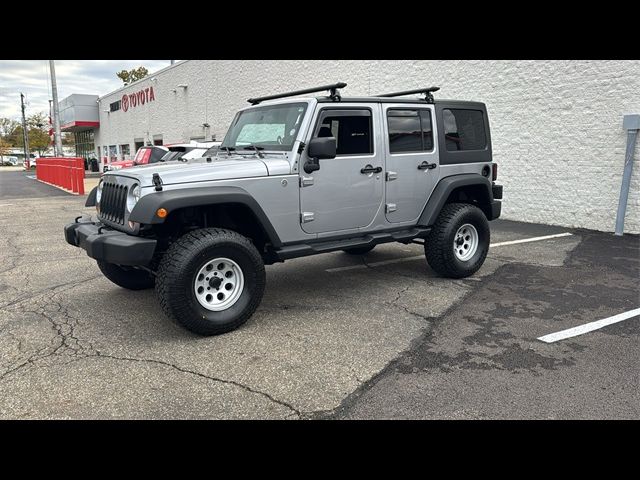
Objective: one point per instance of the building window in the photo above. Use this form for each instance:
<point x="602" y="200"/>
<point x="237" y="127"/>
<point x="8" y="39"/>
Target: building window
<point x="85" y="146"/>
<point x="409" y="130"/>
<point x="113" y="153"/>
<point x="464" y="129"/>
<point x="115" y="106"/>
<point x="124" y="151"/>
<point x="351" y="129"/>
<point x="157" y="139"/>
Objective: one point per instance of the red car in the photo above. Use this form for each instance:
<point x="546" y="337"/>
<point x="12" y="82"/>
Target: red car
<point x="144" y="155"/>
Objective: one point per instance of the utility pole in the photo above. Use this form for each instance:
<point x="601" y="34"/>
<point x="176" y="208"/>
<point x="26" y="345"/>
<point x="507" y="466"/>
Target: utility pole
<point x="56" y="113"/>
<point x="25" y="135"/>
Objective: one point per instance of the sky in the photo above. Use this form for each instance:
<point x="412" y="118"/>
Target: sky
<point x="31" y="77"/>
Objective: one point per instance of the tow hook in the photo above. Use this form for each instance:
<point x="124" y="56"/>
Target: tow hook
<point x="157" y="181"/>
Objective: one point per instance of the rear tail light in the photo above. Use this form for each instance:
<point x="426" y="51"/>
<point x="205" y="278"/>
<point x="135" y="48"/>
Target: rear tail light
<point x="495" y="171"/>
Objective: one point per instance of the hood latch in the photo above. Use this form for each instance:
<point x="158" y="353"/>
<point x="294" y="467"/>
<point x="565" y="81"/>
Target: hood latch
<point x="157" y="181"/>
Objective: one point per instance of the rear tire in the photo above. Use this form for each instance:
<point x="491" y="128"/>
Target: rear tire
<point x="459" y="241"/>
<point x="211" y="281"/>
<point x="358" y="250"/>
<point x="127" y="277"/>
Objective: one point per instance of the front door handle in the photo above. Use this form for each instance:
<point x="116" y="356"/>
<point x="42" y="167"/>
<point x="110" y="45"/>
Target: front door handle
<point x="426" y="166"/>
<point x="370" y="169"/>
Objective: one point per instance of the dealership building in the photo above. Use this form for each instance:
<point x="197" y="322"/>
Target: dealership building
<point x="556" y="126"/>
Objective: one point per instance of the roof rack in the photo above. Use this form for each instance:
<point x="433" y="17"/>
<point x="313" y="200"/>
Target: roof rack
<point x="334" y="95"/>
<point x="427" y="93"/>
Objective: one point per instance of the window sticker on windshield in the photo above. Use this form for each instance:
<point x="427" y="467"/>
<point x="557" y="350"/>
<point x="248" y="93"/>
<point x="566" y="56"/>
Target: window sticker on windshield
<point x="292" y="132"/>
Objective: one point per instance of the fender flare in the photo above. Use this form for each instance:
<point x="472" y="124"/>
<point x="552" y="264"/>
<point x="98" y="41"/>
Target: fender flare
<point x="443" y="190"/>
<point x="172" y="200"/>
<point x="91" y="199"/>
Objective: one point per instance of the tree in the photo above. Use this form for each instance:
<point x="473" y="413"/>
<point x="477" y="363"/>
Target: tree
<point x="4" y="149"/>
<point x="132" y="75"/>
<point x="68" y="139"/>
<point x="38" y="132"/>
<point x="7" y="128"/>
<point x="39" y="140"/>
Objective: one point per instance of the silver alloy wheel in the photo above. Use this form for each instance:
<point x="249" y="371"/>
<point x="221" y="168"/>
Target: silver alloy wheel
<point x="218" y="284"/>
<point x="465" y="243"/>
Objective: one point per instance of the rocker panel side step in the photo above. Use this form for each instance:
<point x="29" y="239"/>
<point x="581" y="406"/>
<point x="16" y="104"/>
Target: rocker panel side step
<point x="371" y="239"/>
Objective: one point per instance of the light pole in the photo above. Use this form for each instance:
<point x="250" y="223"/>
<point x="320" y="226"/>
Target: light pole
<point x="25" y="135"/>
<point x="56" y="113"/>
<point x="631" y="123"/>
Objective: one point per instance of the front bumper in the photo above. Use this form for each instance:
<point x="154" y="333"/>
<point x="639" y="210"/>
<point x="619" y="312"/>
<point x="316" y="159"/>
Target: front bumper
<point x="111" y="246"/>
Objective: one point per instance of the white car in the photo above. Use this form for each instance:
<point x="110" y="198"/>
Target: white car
<point x="32" y="163"/>
<point x="8" y="160"/>
<point x="186" y="152"/>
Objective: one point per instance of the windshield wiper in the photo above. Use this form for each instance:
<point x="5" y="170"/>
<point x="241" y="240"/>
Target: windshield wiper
<point x="256" y="148"/>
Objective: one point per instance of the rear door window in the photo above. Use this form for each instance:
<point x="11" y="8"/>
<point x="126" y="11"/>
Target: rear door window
<point x="409" y="130"/>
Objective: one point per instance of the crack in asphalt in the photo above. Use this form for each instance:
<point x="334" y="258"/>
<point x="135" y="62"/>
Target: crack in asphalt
<point x="32" y="295"/>
<point x="247" y="388"/>
<point x="71" y="345"/>
<point x="11" y="246"/>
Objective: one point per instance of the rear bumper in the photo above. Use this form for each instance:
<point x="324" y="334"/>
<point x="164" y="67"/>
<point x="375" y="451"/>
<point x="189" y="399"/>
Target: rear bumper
<point x="111" y="246"/>
<point x="496" y="208"/>
<point x="496" y="204"/>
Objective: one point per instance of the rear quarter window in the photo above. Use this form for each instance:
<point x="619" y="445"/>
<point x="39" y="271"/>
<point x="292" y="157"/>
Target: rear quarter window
<point x="464" y="129"/>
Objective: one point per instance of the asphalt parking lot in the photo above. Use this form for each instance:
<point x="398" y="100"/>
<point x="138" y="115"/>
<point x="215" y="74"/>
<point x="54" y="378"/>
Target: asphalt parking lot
<point x="335" y="337"/>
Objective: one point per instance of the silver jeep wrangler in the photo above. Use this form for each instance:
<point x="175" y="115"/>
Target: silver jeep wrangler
<point x="296" y="177"/>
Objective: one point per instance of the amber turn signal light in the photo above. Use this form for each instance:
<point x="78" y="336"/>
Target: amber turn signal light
<point x="161" y="212"/>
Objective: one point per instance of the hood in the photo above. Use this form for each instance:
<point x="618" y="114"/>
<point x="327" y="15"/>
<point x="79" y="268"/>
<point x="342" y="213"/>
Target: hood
<point x="220" y="168"/>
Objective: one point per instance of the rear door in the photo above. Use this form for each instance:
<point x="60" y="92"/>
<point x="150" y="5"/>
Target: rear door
<point x="411" y="160"/>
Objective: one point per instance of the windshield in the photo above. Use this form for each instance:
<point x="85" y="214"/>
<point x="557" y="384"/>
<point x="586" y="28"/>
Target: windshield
<point x="269" y="127"/>
<point x="212" y="151"/>
<point x="176" y="153"/>
<point x="195" y="153"/>
<point x="171" y="156"/>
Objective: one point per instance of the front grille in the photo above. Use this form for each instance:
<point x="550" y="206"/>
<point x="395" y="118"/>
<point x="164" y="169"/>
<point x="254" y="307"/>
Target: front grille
<point x="113" y="202"/>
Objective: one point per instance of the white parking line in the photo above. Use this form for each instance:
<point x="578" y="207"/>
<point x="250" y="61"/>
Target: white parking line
<point x="407" y="259"/>
<point x="6" y="204"/>
<point x="527" y="240"/>
<point x="588" y="327"/>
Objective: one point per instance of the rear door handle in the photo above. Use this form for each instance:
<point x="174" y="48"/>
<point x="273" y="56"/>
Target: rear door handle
<point x="370" y="169"/>
<point x="426" y="166"/>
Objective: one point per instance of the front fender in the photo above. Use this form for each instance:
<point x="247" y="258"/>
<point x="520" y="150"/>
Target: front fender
<point x="171" y="200"/>
<point x="91" y="199"/>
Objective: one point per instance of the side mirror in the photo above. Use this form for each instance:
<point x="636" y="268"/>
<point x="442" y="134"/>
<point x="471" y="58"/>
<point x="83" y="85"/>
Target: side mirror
<point x="322" y="148"/>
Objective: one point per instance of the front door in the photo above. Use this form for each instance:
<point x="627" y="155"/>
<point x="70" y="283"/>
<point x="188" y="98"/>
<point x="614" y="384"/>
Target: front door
<point x="346" y="192"/>
<point x="411" y="160"/>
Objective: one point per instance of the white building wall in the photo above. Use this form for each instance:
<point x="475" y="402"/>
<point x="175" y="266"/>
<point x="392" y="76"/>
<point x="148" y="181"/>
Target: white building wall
<point x="556" y="126"/>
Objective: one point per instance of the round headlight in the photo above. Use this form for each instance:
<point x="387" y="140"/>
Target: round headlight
<point x="133" y="197"/>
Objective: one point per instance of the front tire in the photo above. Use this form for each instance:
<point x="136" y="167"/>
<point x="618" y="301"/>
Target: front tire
<point x="459" y="242"/>
<point x="127" y="277"/>
<point x="211" y="281"/>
